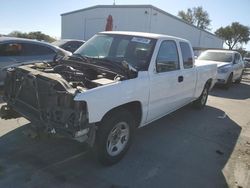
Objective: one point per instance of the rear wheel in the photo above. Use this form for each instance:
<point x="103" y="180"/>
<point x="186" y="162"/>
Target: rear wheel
<point x="202" y="100"/>
<point x="114" y="136"/>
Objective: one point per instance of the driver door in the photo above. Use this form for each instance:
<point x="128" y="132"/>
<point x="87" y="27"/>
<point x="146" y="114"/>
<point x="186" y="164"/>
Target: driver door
<point x="165" y="82"/>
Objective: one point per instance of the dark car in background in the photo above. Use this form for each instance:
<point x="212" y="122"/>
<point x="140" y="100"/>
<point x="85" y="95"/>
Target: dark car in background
<point x="18" y="51"/>
<point x="70" y="45"/>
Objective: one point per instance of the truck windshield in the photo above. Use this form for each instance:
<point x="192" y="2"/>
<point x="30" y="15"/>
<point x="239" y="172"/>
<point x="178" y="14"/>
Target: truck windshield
<point x="216" y="56"/>
<point x="136" y="51"/>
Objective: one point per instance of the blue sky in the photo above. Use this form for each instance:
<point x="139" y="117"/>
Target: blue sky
<point x="31" y="15"/>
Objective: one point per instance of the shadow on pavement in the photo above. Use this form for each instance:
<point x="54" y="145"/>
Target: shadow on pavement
<point x="188" y="148"/>
<point x="236" y="91"/>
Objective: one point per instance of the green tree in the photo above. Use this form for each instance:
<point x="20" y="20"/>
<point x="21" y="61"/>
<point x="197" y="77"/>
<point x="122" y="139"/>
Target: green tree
<point x="196" y="16"/>
<point x="38" y="35"/>
<point x="18" y="34"/>
<point x="234" y="34"/>
<point x="242" y="51"/>
<point x="187" y="16"/>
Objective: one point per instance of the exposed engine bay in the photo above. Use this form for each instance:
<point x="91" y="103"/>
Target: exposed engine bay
<point x="44" y="94"/>
<point x="77" y="76"/>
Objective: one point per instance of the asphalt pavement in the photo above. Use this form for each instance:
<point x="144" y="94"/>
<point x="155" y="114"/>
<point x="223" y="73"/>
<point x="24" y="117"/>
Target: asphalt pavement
<point x="188" y="148"/>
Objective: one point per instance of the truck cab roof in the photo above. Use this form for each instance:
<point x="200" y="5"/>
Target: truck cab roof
<point x="143" y="34"/>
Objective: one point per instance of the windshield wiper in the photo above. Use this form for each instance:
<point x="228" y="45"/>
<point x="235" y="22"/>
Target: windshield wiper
<point x="81" y="57"/>
<point x="123" y="66"/>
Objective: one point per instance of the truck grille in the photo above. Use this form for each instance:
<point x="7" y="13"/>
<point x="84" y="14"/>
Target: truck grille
<point x="45" y="99"/>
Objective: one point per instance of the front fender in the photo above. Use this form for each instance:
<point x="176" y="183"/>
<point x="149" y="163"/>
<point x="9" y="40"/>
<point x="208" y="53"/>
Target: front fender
<point x="102" y="99"/>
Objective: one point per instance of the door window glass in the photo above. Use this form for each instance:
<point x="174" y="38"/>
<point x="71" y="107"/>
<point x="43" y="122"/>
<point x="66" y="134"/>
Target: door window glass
<point x="167" y="58"/>
<point x="10" y="49"/>
<point x="29" y="49"/>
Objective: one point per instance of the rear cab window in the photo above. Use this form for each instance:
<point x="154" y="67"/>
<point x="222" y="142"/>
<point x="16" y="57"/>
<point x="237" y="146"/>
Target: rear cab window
<point x="187" y="56"/>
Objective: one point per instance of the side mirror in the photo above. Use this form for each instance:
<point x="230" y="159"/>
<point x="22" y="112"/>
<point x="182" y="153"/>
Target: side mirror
<point x="164" y="65"/>
<point x="190" y="63"/>
<point x="159" y="66"/>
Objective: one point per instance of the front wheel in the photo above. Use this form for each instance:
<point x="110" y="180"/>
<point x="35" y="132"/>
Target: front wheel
<point x="114" y="136"/>
<point x="239" y="79"/>
<point x="202" y="100"/>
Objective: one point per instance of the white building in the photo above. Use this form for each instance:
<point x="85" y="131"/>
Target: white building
<point x="84" y="23"/>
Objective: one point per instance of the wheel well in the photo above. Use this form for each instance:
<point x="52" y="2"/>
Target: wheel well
<point x="135" y="108"/>
<point x="231" y="74"/>
<point x="209" y="83"/>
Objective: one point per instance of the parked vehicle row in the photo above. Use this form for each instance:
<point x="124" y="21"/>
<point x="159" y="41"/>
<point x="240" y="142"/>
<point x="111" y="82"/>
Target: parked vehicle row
<point x="114" y="83"/>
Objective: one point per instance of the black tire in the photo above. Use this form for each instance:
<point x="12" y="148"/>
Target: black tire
<point x="109" y="130"/>
<point x="229" y="81"/>
<point x="202" y="100"/>
<point x="6" y="112"/>
<point x="239" y="79"/>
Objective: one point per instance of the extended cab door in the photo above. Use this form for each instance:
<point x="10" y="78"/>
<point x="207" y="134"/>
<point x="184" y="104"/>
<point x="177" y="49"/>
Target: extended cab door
<point x="188" y="72"/>
<point x="165" y="81"/>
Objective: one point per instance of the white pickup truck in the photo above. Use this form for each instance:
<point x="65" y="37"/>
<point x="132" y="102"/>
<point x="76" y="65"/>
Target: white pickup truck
<point x="115" y="83"/>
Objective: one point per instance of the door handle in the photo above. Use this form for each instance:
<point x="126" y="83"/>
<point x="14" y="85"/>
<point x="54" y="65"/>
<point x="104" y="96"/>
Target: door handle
<point x="180" y="79"/>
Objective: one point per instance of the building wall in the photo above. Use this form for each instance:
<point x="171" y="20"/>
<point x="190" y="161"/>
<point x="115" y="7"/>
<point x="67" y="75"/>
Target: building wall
<point x="72" y="26"/>
<point x="164" y="24"/>
<point x="84" y="24"/>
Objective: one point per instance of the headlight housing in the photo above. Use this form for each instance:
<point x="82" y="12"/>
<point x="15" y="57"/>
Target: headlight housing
<point x="224" y="69"/>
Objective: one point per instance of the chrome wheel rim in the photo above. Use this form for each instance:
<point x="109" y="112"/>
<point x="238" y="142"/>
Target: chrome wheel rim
<point x="204" y="96"/>
<point x="117" y="138"/>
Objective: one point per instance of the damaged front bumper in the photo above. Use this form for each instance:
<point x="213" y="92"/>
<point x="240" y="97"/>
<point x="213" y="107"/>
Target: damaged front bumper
<point x="48" y="102"/>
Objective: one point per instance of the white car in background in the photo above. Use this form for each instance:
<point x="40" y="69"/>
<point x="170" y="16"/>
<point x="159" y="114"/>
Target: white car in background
<point x="230" y="65"/>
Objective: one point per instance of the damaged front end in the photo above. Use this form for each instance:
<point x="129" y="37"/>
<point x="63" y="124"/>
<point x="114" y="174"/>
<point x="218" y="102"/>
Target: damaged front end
<point x="47" y="100"/>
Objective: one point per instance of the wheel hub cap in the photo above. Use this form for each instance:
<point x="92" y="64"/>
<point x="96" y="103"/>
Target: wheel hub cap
<point x="117" y="138"/>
